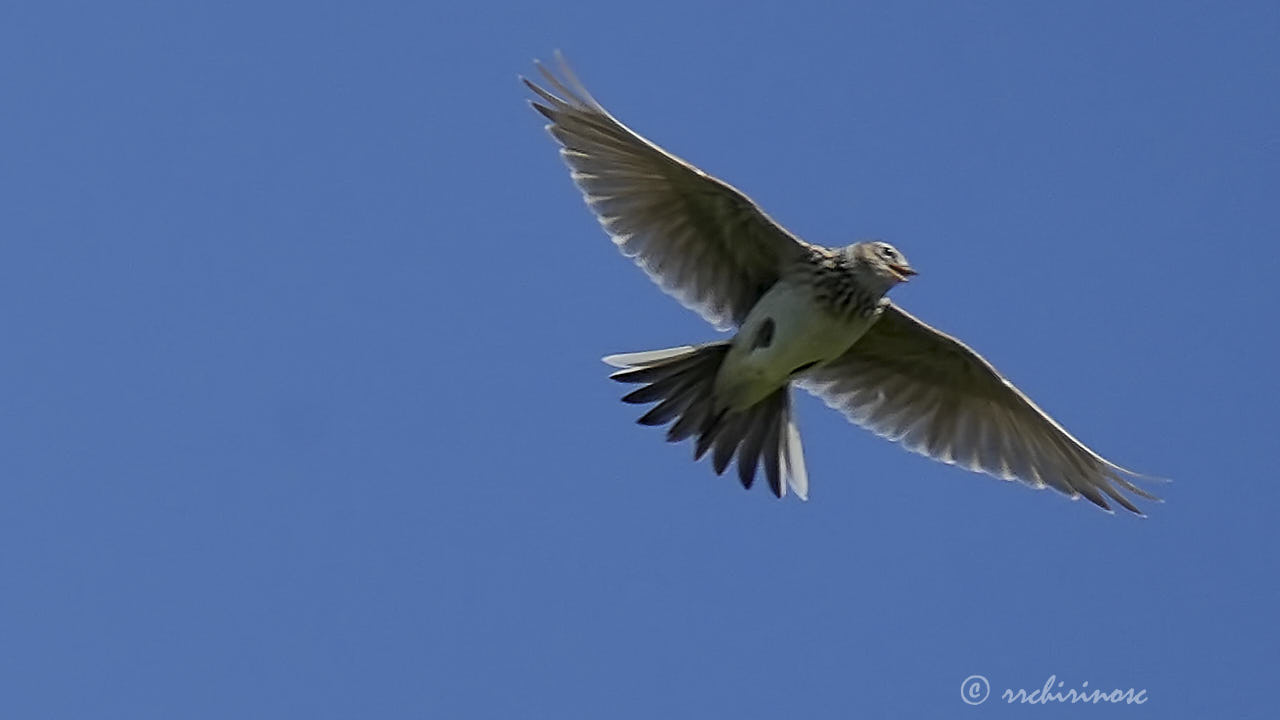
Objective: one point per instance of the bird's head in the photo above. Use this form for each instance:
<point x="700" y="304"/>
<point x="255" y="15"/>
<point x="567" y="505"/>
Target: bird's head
<point x="881" y="261"/>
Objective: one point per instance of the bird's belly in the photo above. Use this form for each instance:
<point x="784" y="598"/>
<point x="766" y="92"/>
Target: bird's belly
<point x="786" y="331"/>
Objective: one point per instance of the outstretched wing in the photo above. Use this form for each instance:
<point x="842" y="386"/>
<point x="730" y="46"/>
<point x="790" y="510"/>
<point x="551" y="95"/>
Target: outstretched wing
<point x="915" y="385"/>
<point x="701" y="240"/>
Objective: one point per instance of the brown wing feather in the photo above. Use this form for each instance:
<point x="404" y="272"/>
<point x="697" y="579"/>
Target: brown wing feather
<point x="702" y="241"/>
<point x="910" y="383"/>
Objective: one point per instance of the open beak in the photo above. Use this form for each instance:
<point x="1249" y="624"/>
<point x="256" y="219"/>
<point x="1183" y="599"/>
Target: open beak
<point x="902" y="272"/>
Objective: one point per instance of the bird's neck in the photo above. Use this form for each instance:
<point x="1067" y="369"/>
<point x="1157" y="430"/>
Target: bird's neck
<point x="844" y="285"/>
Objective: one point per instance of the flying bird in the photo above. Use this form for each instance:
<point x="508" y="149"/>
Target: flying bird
<point x="805" y="315"/>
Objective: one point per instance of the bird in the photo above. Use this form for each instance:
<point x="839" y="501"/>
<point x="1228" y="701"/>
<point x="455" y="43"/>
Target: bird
<point x="802" y="315"/>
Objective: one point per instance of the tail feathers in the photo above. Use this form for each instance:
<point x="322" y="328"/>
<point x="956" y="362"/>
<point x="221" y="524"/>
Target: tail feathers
<point x="650" y="357"/>
<point x="681" y="380"/>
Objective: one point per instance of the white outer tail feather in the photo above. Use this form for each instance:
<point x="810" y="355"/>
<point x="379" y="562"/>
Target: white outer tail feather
<point x="647" y="358"/>
<point x="797" y="476"/>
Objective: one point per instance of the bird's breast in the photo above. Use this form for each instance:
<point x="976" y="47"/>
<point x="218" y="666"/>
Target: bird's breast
<point x="790" y="329"/>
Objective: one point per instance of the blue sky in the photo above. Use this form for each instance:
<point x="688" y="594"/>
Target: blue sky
<point x="303" y="414"/>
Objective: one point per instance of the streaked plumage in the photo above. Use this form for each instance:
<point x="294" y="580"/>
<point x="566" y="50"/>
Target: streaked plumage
<point x="805" y="315"/>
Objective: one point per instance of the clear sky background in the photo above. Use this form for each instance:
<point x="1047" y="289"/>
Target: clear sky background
<point x="302" y="413"/>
